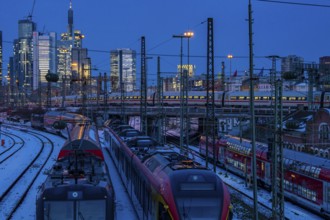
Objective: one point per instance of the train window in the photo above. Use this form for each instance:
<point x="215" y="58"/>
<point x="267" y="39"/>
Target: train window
<point x="198" y="208"/>
<point x="324" y="131"/>
<point x="58" y="210"/>
<point x="317" y="172"/>
<point x="241" y="97"/>
<point x="152" y="165"/>
<point x="287" y="185"/>
<point x="91" y="209"/>
<point x="197" y="186"/>
<point x="257" y="98"/>
<point x="317" y="98"/>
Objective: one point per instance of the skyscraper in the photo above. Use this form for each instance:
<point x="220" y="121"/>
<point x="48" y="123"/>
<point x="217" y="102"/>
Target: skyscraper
<point x="70" y="20"/>
<point x="23" y="57"/>
<point x="70" y="54"/>
<point x="292" y="63"/>
<point x="324" y="72"/>
<point x="123" y="64"/>
<point x="1" y="58"/>
<point x="44" y="57"/>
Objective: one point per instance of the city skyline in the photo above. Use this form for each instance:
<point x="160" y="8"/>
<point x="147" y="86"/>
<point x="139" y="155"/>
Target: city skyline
<point x="278" y="29"/>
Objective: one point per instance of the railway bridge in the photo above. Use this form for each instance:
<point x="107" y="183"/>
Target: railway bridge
<point x="227" y="118"/>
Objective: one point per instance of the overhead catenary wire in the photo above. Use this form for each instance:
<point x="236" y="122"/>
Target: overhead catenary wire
<point x="162" y="54"/>
<point x="296" y="3"/>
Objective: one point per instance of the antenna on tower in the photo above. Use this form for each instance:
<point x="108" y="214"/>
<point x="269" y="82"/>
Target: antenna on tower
<point x="31" y="12"/>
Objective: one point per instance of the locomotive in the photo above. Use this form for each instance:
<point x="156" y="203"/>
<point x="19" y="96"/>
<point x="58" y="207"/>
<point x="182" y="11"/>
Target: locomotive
<point x="306" y="177"/>
<point x="78" y="186"/>
<point x="162" y="183"/>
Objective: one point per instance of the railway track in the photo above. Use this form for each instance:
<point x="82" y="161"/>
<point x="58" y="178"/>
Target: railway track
<point x="17" y="143"/>
<point x="13" y="194"/>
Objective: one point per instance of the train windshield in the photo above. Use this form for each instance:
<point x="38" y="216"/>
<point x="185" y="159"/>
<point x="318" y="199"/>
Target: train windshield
<point x="86" y="209"/>
<point x="198" y="208"/>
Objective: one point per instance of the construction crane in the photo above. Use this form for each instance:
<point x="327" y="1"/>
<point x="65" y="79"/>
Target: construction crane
<point x="29" y="17"/>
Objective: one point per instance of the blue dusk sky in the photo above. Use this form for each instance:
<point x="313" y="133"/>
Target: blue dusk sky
<point x="279" y="29"/>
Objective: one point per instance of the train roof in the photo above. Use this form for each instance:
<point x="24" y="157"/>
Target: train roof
<point x="120" y="128"/>
<point x="267" y="93"/>
<point x="85" y="172"/>
<point x="80" y="161"/>
<point x="129" y="133"/>
<point x="82" y="138"/>
<point x="66" y="116"/>
<point x="162" y="159"/>
<point x="142" y="142"/>
<point x="308" y="164"/>
<point x="307" y="158"/>
<point x="244" y="146"/>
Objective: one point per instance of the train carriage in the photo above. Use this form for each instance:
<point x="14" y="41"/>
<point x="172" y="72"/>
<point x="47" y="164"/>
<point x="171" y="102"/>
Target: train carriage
<point x="306" y="177"/>
<point x="78" y="186"/>
<point x="164" y="184"/>
<point x="227" y="99"/>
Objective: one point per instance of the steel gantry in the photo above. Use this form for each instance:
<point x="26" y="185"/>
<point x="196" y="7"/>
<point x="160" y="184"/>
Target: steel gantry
<point x="184" y="121"/>
<point x="210" y="114"/>
<point x="143" y="96"/>
<point x="161" y="115"/>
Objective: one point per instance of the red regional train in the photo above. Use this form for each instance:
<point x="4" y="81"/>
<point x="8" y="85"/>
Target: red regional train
<point x="78" y="186"/>
<point x="306" y="179"/>
<point x="164" y="184"/>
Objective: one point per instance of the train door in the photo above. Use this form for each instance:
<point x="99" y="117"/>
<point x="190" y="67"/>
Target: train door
<point x="326" y="196"/>
<point x="222" y="156"/>
<point x="267" y="173"/>
<point x="163" y="212"/>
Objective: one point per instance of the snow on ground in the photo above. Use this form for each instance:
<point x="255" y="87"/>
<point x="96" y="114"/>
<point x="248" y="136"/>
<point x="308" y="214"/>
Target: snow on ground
<point x="9" y="170"/>
<point x="12" y="167"/>
<point x="124" y="208"/>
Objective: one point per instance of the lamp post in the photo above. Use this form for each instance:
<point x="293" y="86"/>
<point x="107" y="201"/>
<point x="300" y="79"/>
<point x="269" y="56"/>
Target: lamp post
<point x="188" y="34"/>
<point x="183" y="93"/>
<point x="230" y="56"/>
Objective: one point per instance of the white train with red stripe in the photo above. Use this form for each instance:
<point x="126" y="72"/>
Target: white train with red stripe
<point x="225" y="99"/>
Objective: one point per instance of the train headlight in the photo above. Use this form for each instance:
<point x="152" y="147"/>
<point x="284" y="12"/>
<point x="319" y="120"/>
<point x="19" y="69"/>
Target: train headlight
<point x="74" y="194"/>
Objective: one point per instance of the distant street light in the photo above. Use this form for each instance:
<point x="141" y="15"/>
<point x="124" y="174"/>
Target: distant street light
<point x="230" y="56"/>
